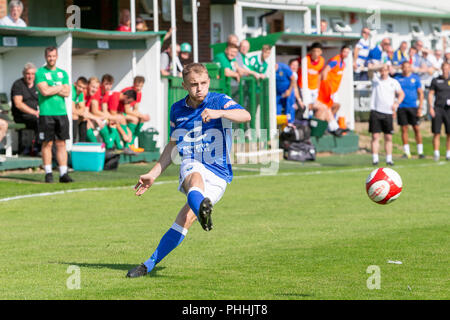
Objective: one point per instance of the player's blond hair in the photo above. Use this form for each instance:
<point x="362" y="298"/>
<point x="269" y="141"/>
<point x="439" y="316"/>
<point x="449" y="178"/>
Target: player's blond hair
<point x="93" y="79"/>
<point x="194" y="68"/>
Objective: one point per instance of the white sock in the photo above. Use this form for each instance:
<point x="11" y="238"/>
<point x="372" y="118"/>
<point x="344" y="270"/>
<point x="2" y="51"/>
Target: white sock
<point x="447" y="154"/>
<point x="389" y="158"/>
<point x="420" y="148"/>
<point x="406" y="149"/>
<point x="62" y="170"/>
<point x="48" y="168"/>
<point x="375" y="157"/>
<point x="333" y="125"/>
<point x="437" y="154"/>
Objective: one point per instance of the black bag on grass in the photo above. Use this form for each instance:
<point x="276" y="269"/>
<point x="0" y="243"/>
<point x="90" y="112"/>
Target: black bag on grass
<point x="111" y="160"/>
<point x="301" y="151"/>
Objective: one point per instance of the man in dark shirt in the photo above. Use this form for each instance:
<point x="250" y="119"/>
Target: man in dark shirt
<point x="24" y="99"/>
<point x="440" y="113"/>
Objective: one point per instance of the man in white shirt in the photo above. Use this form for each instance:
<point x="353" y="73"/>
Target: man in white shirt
<point x="360" y="56"/>
<point x="13" y="19"/>
<point x="383" y="107"/>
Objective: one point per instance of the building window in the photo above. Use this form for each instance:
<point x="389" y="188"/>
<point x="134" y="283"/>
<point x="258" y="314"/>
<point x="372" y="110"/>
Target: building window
<point x="251" y="22"/>
<point x="187" y="10"/>
<point x="166" y="10"/>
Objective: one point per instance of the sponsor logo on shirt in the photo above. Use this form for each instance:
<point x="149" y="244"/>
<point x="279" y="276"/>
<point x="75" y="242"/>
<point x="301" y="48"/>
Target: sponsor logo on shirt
<point x="182" y="119"/>
<point x="229" y="104"/>
<point x="48" y="76"/>
<point x="413" y="80"/>
<point x="60" y="74"/>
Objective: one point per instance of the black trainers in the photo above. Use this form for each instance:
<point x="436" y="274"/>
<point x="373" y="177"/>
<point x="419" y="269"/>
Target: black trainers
<point x="374" y="163"/>
<point x="421" y="156"/>
<point x="204" y="214"/>
<point x="49" y="177"/>
<point x="390" y="163"/>
<point x="138" y="271"/>
<point x="65" y="178"/>
<point x="338" y="132"/>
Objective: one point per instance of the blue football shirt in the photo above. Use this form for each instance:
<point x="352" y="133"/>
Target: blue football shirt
<point x="283" y="78"/>
<point x="209" y="143"/>
<point x="409" y="86"/>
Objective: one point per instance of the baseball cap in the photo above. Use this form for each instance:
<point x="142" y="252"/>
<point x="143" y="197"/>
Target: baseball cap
<point x="186" y="47"/>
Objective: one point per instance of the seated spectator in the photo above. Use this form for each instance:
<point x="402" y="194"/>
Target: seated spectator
<point x="135" y="119"/>
<point x="117" y="104"/>
<point x="3" y="131"/>
<point x="294" y="65"/>
<point x="105" y="91"/>
<point x="360" y="56"/>
<point x="259" y="63"/>
<point x="228" y="64"/>
<point x="125" y="21"/>
<point x="185" y="54"/>
<point x="141" y="26"/>
<point x="79" y="122"/>
<point x="24" y="101"/>
<point x="13" y="19"/>
<point x="166" y="61"/>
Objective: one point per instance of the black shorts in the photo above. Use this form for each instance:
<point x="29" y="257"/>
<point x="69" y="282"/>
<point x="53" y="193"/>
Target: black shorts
<point x="30" y="121"/>
<point x="442" y="116"/>
<point x="407" y="116"/>
<point x="380" y="122"/>
<point x="54" y="128"/>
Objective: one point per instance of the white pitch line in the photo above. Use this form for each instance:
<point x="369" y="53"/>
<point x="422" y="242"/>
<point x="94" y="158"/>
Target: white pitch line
<point x="309" y="173"/>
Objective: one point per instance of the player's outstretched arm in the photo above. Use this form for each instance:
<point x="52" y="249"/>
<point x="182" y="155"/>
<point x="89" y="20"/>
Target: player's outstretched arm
<point x="147" y="180"/>
<point x="235" y="115"/>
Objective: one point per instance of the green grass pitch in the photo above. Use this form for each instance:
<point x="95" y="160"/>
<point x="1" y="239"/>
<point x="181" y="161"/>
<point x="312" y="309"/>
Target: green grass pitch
<point x="309" y="232"/>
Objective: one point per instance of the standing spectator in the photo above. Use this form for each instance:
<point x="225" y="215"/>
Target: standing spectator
<point x="13" y="19"/>
<point x="79" y="121"/>
<point x="166" y="61"/>
<point x="324" y="26"/>
<point x="360" y="56"/>
<point x="259" y="63"/>
<point x="185" y="54"/>
<point x="285" y="84"/>
<point x="124" y="21"/>
<point x="24" y="101"/>
<point x="430" y="68"/>
<point x="408" y="113"/>
<point x="233" y="39"/>
<point x="440" y="113"/>
<point x="315" y="65"/>
<point x="227" y="61"/>
<point x="141" y="26"/>
<point x="53" y="87"/>
<point x="400" y="56"/>
<point x="378" y="54"/>
<point x="243" y="61"/>
<point x="447" y="55"/>
<point x="383" y="107"/>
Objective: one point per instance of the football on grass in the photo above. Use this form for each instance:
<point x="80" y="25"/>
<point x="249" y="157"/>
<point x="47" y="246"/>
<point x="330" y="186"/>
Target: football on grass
<point x="384" y="185"/>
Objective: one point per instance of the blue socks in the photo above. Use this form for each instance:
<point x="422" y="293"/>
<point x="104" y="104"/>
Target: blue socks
<point x="168" y="242"/>
<point x="195" y="197"/>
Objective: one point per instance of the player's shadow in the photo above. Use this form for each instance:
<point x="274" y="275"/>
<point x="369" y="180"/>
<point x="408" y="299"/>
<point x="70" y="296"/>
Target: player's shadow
<point x="114" y="266"/>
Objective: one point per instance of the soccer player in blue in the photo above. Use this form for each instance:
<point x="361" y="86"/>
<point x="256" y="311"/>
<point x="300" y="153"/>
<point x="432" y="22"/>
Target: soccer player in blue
<point x="200" y="128"/>
<point x="408" y="113"/>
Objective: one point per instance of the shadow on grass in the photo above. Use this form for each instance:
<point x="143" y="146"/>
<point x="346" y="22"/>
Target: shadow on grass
<point x="36" y="179"/>
<point x="112" y="266"/>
